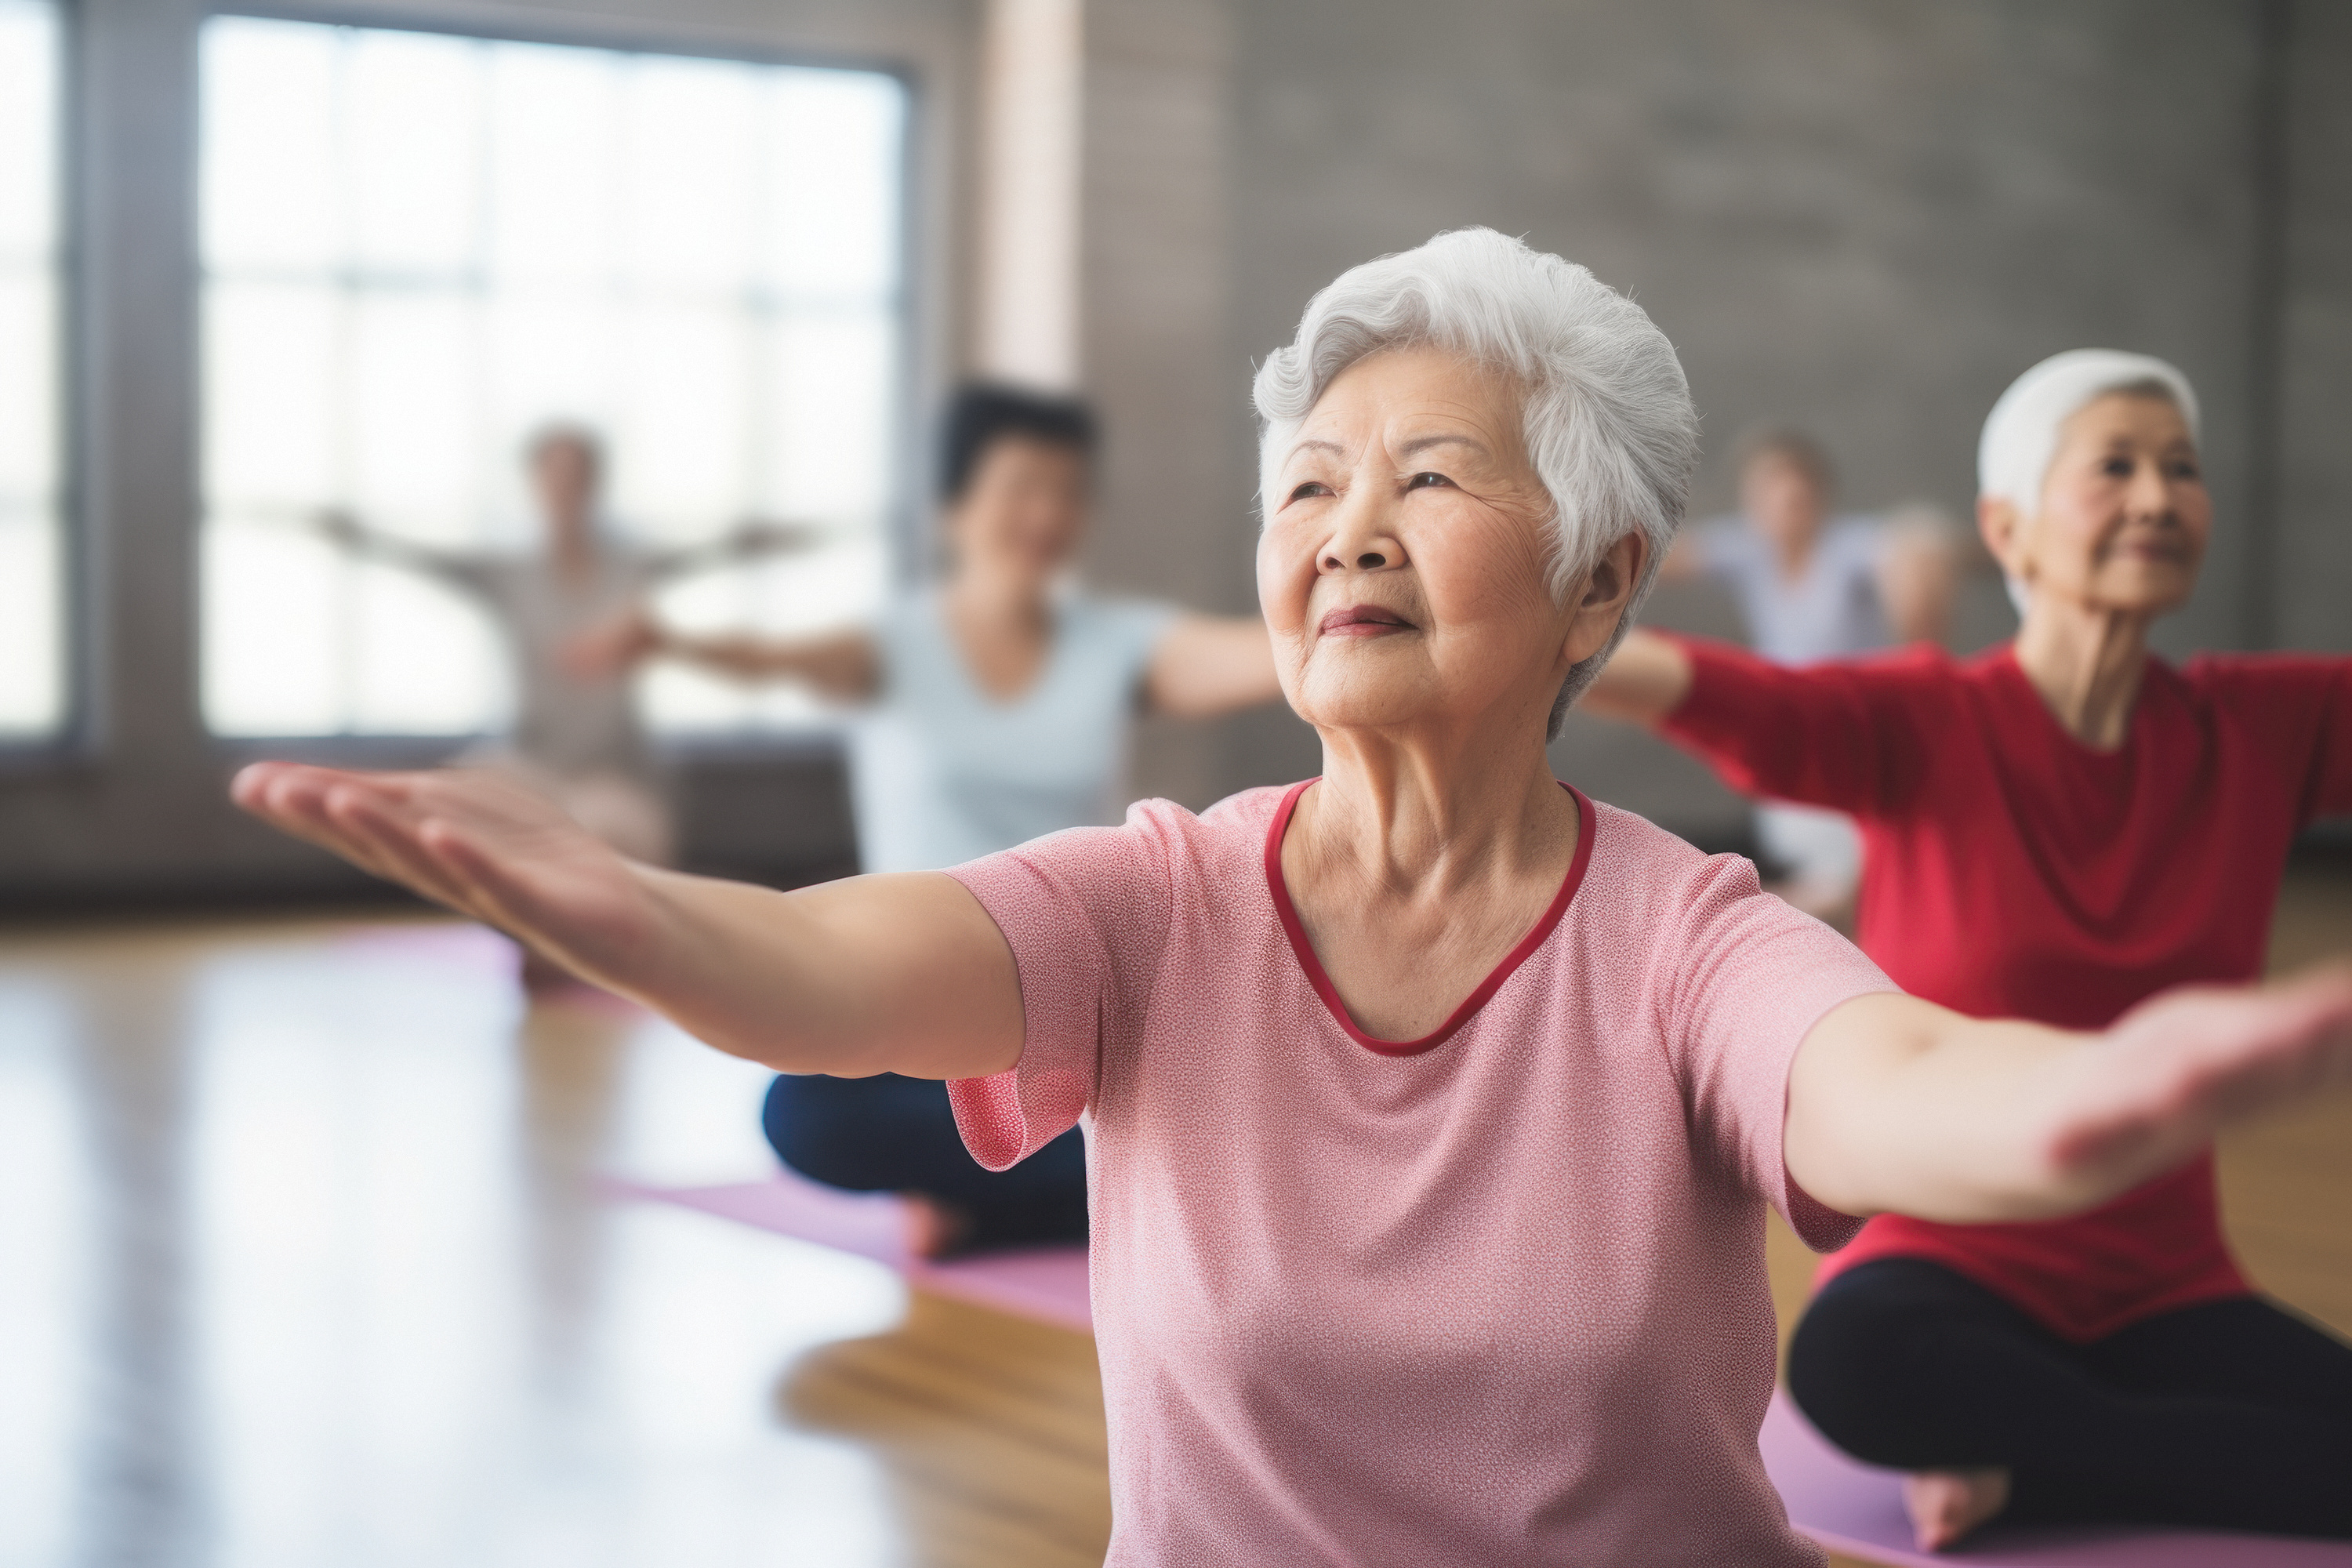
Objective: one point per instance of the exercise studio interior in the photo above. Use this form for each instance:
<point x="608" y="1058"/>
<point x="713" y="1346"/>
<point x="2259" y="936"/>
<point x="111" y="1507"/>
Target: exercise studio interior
<point x="1165" y="783"/>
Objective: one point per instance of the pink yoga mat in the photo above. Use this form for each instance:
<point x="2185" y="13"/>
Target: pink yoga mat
<point x="1856" y="1509"/>
<point x="1047" y="1284"/>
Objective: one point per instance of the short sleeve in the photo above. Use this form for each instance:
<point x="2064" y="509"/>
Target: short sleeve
<point x="1086" y="913"/>
<point x="1752" y="976"/>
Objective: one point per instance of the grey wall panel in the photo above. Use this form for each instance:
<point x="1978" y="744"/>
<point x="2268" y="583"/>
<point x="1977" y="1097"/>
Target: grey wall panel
<point x="1864" y="217"/>
<point x="2314" y="557"/>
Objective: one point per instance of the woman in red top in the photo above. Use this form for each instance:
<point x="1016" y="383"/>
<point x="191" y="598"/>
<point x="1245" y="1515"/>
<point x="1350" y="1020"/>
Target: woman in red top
<point x="2057" y="829"/>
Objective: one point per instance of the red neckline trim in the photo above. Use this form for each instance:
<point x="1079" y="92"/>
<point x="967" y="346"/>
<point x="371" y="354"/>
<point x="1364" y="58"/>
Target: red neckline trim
<point x="1304" y="951"/>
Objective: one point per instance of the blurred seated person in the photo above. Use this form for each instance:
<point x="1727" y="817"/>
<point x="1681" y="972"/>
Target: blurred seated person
<point x="576" y="737"/>
<point x="994" y="707"/>
<point x="1813" y="586"/>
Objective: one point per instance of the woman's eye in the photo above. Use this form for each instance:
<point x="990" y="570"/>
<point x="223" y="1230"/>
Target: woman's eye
<point x="1426" y="481"/>
<point x="2117" y="468"/>
<point x="1311" y="488"/>
<point x="2183" y="470"/>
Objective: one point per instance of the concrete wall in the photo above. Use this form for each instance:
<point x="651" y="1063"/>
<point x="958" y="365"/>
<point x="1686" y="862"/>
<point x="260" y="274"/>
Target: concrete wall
<point x="2313" y="580"/>
<point x="1860" y="217"/>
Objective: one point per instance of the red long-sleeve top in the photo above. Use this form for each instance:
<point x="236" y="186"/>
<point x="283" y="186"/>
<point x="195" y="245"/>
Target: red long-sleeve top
<point x="2009" y="870"/>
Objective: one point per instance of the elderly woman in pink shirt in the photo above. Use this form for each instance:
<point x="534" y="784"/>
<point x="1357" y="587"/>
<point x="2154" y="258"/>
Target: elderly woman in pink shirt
<point x="1430" y="1106"/>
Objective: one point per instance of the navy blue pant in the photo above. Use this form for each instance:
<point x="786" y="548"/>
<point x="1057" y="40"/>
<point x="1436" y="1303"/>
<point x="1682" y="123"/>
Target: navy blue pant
<point x="2234" y="1414"/>
<point x="892" y="1134"/>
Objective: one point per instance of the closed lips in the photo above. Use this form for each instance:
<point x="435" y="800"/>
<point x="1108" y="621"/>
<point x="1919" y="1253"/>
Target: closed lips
<point x="1362" y="620"/>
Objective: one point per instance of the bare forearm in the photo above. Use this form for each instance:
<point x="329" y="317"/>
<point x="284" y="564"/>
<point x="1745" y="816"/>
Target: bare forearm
<point x="1208" y="665"/>
<point x="1644" y="681"/>
<point x="902" y="974"/>
<point x="1898" y="1105"/>
<point x="868" y="974"/>
<point x="843" y="667"/>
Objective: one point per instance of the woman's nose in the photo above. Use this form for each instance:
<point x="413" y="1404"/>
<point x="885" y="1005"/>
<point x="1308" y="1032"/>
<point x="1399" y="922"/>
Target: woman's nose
<point x="1360" y="542"/>
<point x="2150" y="492"/>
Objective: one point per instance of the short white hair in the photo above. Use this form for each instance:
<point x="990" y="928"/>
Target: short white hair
<point x="1607" y="414"/>
<point x="2021" y="435"/>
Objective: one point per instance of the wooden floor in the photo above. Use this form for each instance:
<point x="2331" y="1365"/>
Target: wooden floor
<point x="304" y="1260"/>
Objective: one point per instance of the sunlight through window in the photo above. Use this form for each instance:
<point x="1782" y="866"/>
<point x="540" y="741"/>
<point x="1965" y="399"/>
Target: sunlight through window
<point x="419" y="248"/>
<point x="32" y="578"/>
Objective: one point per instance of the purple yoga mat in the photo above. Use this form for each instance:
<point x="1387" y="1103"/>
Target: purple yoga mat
<point x="1046" y="1283"/>
<point x="1856" y="1509"/>
<point x="1848" y="1507"/>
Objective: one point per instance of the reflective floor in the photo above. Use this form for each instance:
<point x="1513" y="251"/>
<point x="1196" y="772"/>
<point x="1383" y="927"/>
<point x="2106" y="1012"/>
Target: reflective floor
<point x="304" y="1260"/>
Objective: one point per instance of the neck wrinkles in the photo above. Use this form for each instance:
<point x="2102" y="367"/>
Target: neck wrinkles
<point x="2085" y="665"/>
<point x="1423" y="820"/>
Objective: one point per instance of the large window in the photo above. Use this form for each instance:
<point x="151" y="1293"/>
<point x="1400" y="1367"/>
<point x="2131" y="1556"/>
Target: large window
<point x="418" y="249"/>
<point x="32" y="578"/>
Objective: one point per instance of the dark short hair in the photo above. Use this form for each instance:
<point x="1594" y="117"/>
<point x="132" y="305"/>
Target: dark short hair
<point x="982" y="414"/>
<point x="1791" y="445"/>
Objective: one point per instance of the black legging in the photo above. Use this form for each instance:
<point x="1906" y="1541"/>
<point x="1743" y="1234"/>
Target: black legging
<point x="2234" y="1415"/>
<point x="892" y="1134"/>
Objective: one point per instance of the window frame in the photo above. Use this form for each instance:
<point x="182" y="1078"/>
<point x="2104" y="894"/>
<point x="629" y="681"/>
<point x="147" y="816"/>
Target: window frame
<point x="74" y="740"/>
<point x="904" y="506"/>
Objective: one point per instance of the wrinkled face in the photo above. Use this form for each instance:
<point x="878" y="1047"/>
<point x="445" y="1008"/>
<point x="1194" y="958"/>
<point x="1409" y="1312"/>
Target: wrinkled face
<point x="1024" y="510"/>
<point x="564" y="474"/>
<point x="2125" y="514"/>
<point x="1780" y="499"/>
<point x="1403" y="566"/>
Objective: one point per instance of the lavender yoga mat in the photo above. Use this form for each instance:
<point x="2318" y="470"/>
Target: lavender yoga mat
<point x="1047" y="1284"/>
<point x="1846" y="1506"/>
<point x="1858" y="1510"/>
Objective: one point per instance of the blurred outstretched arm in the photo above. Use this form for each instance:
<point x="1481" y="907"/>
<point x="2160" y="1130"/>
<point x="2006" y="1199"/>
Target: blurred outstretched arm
<point x="1645" y="680"/>
<point x="841" y="665"/>
<point x="342" y="527"/>
<point x="1208" y="665"/>
<point x="748" y="541"/>
<point x="900" y="973"/>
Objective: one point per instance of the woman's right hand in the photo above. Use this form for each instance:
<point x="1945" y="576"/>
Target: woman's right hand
<point x="480" y="844"/>
<point x="903" y="973"/>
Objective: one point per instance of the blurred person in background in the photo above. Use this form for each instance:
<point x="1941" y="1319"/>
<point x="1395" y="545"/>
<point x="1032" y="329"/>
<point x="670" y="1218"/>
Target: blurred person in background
<point x="1812" y="584"/>
<point x="576" y="737"/>
<point x="2058" y="829"/>
<point x="992" y="707"/>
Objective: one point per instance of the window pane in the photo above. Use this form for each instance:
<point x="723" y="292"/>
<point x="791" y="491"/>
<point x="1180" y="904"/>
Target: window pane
<point x="32" y="575"/>
<point x="419" y="249"/>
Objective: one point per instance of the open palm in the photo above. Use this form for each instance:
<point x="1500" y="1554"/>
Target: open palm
<point x="2175" y="1069"/>
<point x="480" y="844"/>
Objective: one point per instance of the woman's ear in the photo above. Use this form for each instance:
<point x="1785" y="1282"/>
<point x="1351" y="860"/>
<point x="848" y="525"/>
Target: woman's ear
<point x="1606" y="592"/>
<point x="1997" y="524"/>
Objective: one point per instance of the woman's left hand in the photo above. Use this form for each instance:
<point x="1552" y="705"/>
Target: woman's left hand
<point x="1899" y="1106"/>
<point x="2177" y="1068"/>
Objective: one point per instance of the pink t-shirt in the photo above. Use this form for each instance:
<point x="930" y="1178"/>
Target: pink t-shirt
<point x="1493" y="1297"/>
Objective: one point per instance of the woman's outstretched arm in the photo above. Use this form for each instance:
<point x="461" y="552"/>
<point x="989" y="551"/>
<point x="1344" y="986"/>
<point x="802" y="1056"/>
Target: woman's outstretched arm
<point x="1645" y="679"/>
<point x="1897" y="1105"/>
<point x="843" y="666"/>
<point x="1208" y="665"/>
<point x="903" y="973"/>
